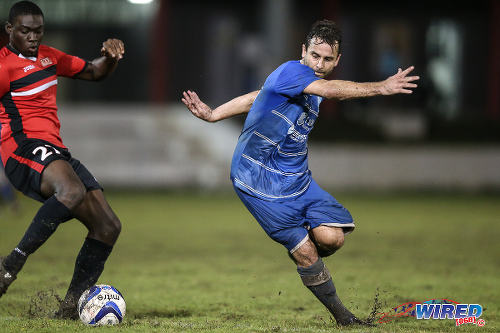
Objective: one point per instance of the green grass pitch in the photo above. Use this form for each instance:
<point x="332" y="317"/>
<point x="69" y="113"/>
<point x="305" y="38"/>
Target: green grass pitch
<point x="191" y="262"/>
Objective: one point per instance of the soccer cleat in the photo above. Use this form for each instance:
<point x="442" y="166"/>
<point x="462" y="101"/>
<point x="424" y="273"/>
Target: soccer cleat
<point x="6" y="278"/>
<point x="67" y="310"/>
<point x="353" y="320"/>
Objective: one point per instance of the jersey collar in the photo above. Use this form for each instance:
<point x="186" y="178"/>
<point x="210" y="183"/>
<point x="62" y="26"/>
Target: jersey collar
<point x="13" y="50"/>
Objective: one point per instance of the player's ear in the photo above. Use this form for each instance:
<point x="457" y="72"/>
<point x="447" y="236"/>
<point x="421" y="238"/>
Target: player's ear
<point x="8" y="27"/>
<point x="337" y="60"/>
<point x="304" y="50"/>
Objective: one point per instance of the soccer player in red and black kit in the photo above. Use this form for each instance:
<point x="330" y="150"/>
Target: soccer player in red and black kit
<point x="36" y="161"/>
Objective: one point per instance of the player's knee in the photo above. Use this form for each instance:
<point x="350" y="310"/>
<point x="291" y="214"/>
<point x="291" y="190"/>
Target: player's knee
<point x="335" y="242"/>
<point x="329" y="243"/>
<point x="306" y="255"/>
<point x="338" y="242"/>
<point x="108" y="230"/>
<point x="71" y="195"/>
<point x="324" y="252"/>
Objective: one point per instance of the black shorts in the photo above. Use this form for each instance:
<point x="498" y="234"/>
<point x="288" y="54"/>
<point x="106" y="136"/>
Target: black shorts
<point x="25" y="166"/>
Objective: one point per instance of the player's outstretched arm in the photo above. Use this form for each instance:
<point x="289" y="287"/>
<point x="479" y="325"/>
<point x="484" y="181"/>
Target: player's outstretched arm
<point x="399" y="83"/>
<point x="111" y="52"/>
<point x="236" y="106"/>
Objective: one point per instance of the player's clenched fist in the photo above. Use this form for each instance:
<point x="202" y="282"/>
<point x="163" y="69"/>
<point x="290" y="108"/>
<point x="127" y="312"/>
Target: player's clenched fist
<point x="113" y="48"/>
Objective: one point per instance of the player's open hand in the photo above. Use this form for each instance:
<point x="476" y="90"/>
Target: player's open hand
<point x="196" y="106"/>
<point x="113" y="48"/>
<point x="400" y="83"/>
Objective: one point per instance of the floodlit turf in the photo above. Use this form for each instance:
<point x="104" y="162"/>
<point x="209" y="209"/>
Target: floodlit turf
<point x="199" y="262"/>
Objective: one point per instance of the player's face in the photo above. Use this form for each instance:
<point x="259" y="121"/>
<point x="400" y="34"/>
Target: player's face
<point x="26" y="33"/>
<point x="321" y="57"/>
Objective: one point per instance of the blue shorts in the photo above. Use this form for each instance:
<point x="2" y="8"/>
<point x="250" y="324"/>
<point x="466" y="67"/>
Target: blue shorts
<point x="288" y="222"/>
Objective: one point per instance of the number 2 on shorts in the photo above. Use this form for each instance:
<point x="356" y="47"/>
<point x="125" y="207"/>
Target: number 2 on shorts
<point x="45" y="152"/>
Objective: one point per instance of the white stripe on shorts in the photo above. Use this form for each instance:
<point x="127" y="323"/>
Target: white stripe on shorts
<point x="341" y="225"/>
<point x="302" y="242"/>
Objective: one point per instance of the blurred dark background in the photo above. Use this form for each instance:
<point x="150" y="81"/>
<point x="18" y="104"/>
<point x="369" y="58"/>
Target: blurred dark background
<point x="222" y="49"/>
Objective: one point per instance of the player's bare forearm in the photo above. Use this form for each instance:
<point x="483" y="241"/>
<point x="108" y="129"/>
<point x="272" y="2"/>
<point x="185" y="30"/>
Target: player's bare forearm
<point x="98" y="69"/>
<point x="399" y="83"/>
<point x="112" y="51"/>
<point x="239" y="105"/>
<point x="339" y="89"/>
<point x="236" y="106"/>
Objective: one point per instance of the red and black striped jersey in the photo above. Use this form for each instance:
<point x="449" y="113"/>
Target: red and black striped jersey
<point x="28" y="88"/>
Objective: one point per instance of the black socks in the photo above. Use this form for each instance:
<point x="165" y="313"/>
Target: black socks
<point x="318" y="280"/>
<point x="88" y="267"/>
<point x="89" y="262"/>
<point x="49" y="216"/>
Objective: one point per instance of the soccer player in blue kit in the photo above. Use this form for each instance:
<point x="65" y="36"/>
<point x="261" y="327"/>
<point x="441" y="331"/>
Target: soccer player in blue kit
<point x="269" y="169"/>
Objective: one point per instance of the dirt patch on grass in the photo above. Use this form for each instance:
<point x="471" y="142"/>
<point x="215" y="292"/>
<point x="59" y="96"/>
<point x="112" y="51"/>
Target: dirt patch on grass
<point x="176" y="313"/>
<point x="376" y="309"/>
<point x="43" y="304"/>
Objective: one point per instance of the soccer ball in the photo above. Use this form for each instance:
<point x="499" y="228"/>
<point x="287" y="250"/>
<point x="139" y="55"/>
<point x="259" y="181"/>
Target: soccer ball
<point x="101" y="305"/>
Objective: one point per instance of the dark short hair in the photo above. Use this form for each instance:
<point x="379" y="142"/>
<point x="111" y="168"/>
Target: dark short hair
<point x="326" y="31"/>
<point x="24" y="8"/>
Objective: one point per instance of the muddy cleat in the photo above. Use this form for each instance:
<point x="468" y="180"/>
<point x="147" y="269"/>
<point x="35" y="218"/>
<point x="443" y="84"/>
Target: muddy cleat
<point x="67" y="310"/>
<point x="6" y="278"/>
<point x="354" y="321"/>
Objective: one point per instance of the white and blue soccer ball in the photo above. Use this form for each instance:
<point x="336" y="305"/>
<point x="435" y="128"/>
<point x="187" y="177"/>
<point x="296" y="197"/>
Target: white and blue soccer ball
<point x="101" y="305"/>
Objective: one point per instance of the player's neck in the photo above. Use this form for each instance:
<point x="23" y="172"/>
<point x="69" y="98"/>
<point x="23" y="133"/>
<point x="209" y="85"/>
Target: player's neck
<point x="12" y="48"/>
<point x="19" y="54"/>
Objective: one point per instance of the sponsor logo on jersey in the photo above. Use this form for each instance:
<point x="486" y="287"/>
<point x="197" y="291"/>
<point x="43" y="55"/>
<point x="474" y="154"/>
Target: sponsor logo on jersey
<point x="28" y="68"/>
<point x="295" y="135"/>
<point x="45" y="62"/>
<point x="306" y="121"/>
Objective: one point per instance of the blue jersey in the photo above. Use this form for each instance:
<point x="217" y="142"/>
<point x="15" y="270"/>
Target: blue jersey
<point x="270" y="159"/>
